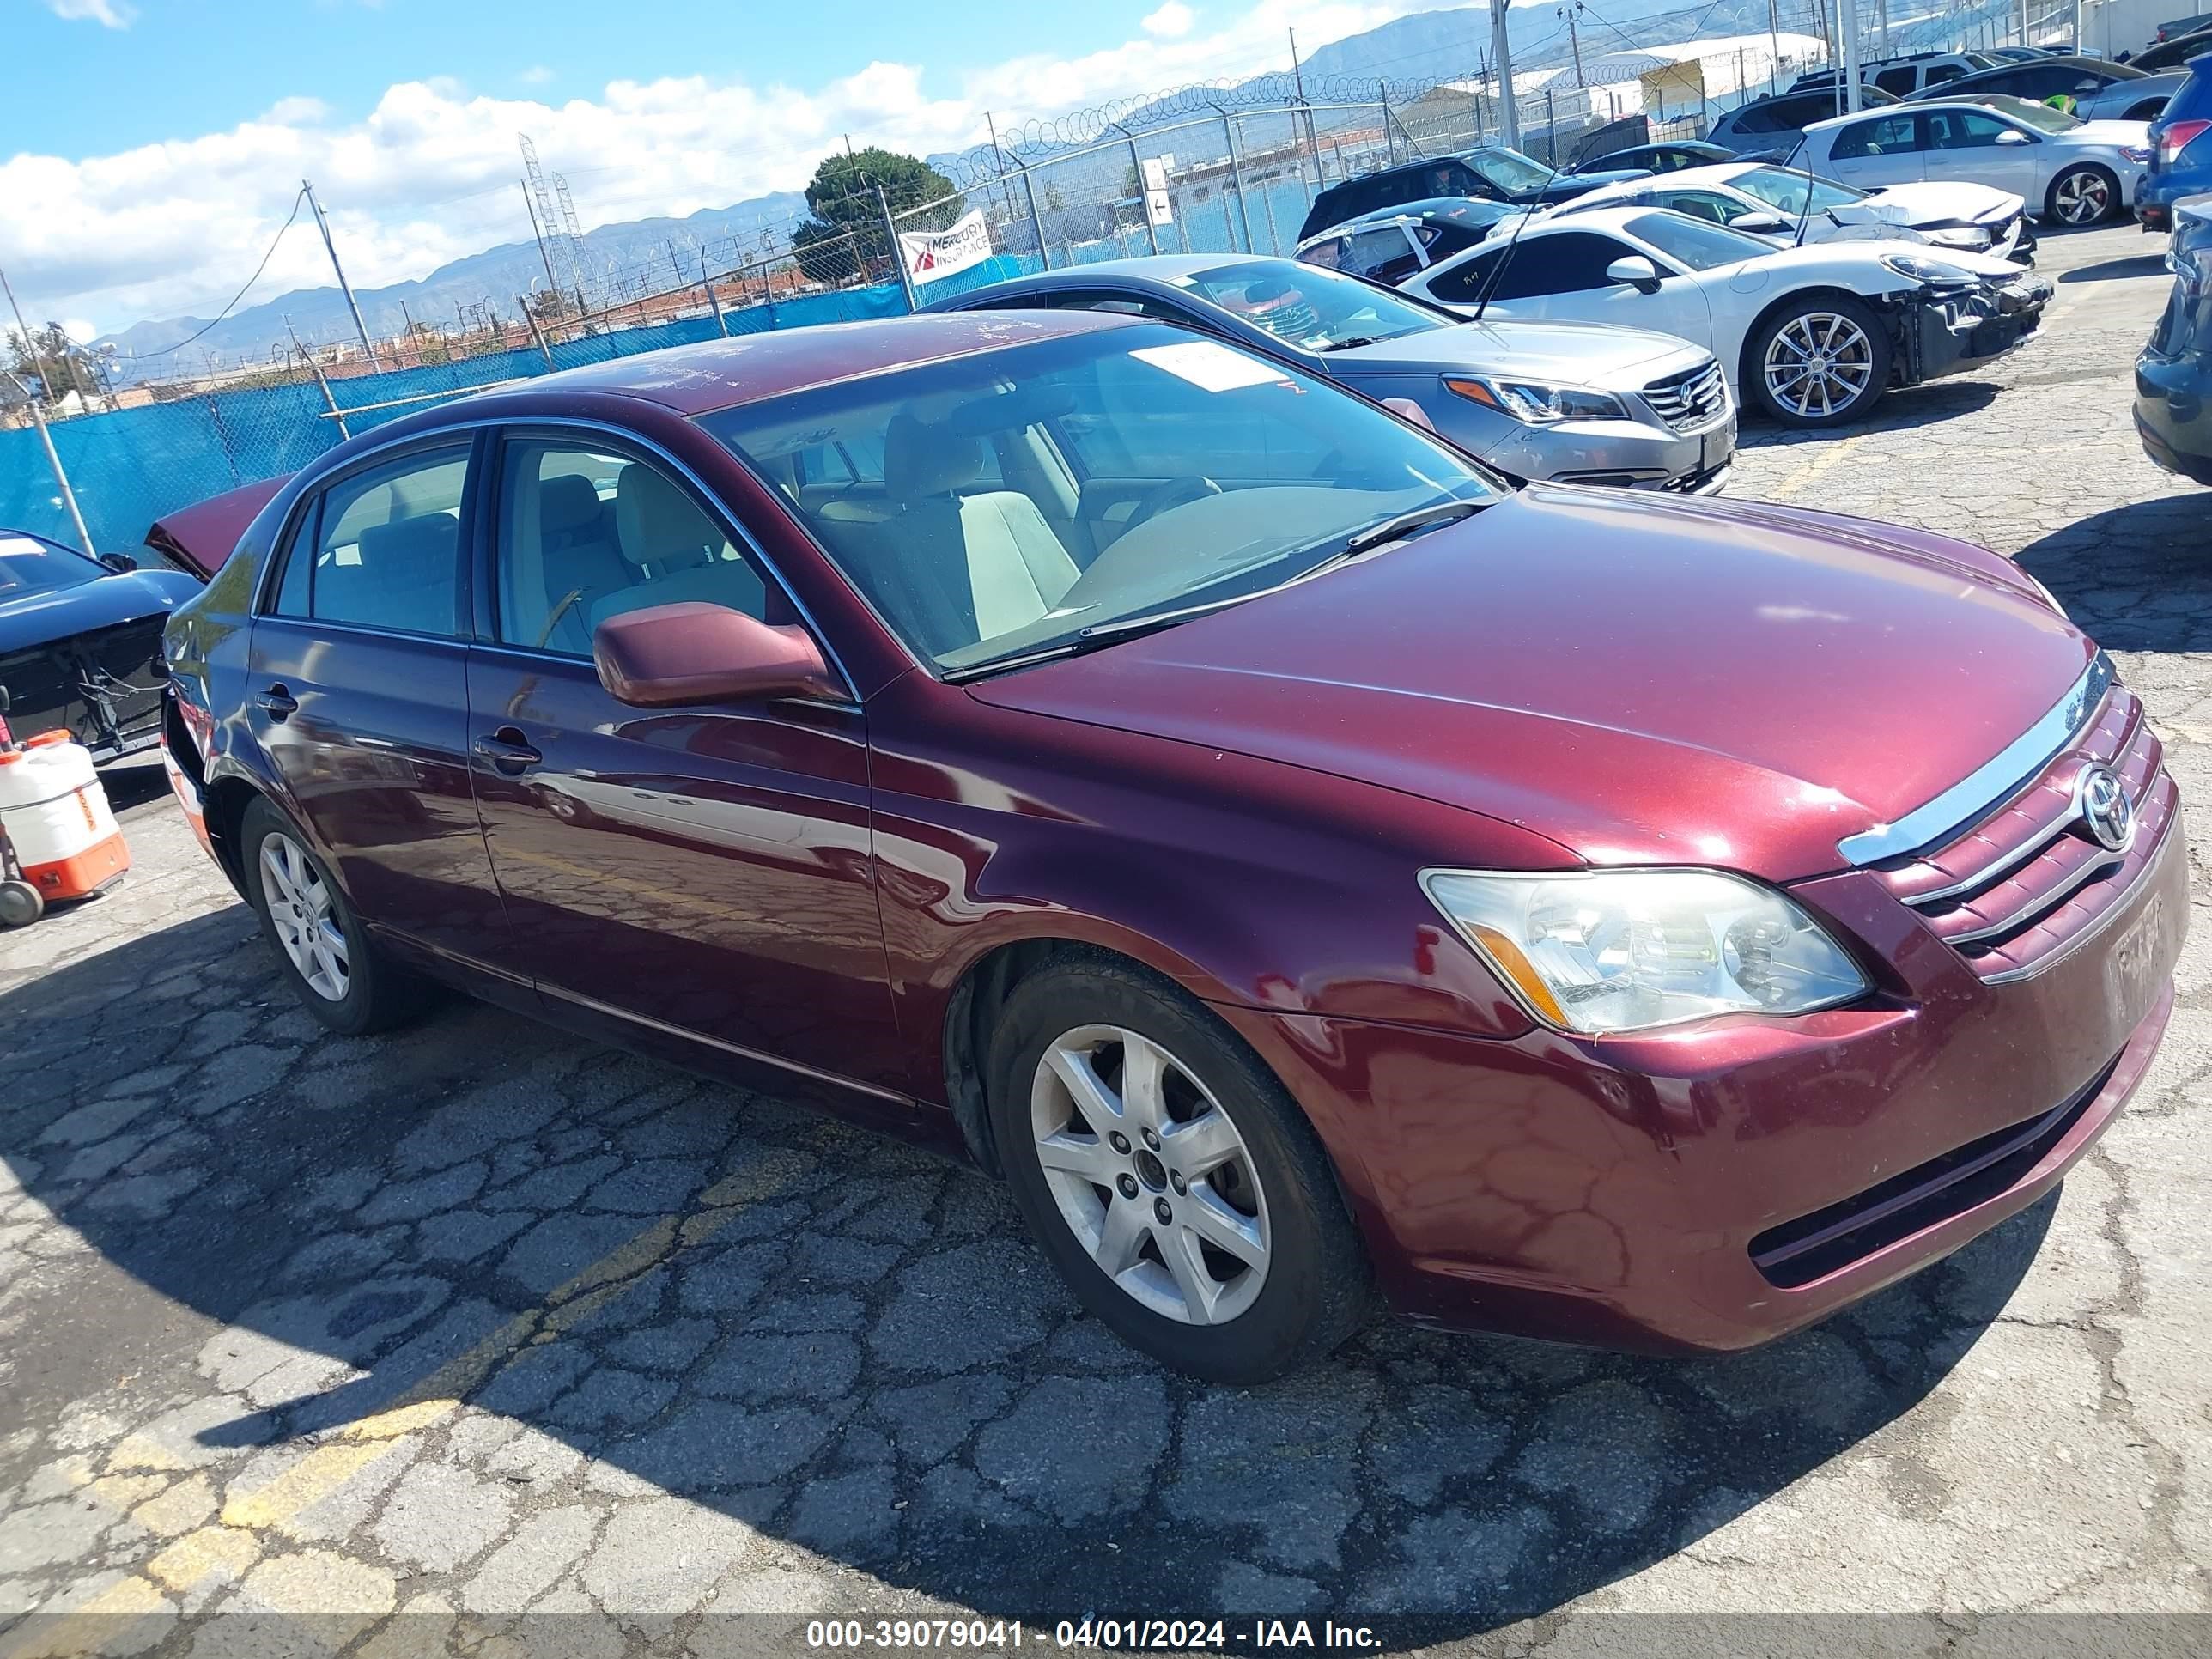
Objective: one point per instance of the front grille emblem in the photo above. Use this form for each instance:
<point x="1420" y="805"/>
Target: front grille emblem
<point x="2104" y="807"/>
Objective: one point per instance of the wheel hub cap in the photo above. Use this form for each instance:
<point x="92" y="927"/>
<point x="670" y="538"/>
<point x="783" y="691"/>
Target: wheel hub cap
<point x="303" y="914"/>
<point x="1149" y="1175"/>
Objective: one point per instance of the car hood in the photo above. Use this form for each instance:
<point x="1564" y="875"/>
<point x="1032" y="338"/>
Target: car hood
<point x="2108" y="134"/>
<point x="36" y="618"/>
<point x="1640" y="680"/>
<point x="1937" y="202"/>
<point x="1589" y="353"/>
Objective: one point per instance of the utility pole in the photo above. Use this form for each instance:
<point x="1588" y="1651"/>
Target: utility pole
<point x="345" y="287"/>
<point x="1773" y="46"/>
<point x="1313" y="140"/>
<point x="38" y="420"/>
<point x="1847" y="24"/>
<point x="1574" y="39"/>
<point x="1882" y="14"/>
<point x="1509" y="116"/>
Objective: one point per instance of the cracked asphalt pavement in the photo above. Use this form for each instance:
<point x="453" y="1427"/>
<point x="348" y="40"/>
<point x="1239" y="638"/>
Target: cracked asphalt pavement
<point x="310" y="1344"/>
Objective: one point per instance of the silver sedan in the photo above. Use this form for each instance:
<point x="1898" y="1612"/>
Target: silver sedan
<point x="1565" y="402"/>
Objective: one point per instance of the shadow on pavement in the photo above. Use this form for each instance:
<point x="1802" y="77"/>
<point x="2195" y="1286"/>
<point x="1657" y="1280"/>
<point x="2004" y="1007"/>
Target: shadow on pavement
<point x="1913" y="406"/>
<point x="638" y="1278"/>
<point x="2113" y="271"/>
<point x="2136" y="578"/>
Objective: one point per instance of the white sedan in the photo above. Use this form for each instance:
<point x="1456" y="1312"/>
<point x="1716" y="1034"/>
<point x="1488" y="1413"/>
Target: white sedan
<point x="1813" y="335"/>
<point x="2068" y="170"/>
<point x="1762" y="199"/>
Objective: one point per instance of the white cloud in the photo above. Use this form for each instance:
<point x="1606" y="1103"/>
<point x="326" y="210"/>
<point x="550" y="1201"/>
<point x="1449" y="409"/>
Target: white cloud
<point x="108" y="14"/>
<point x="1171" y="22"/>
<point x="536" y="75"/>
<point x="429" y="175"/>
<point x="80" y="329"/>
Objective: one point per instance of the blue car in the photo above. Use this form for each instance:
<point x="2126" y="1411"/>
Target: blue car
<point x="2181" y="151"/>
<point x="2173" y="387"/>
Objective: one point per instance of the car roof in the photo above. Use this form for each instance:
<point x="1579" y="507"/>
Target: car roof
<point x="695" y="379"/>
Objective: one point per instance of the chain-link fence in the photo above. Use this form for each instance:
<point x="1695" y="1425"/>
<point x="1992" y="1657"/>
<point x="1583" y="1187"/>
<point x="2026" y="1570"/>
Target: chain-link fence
<point x="1199" y="170"/>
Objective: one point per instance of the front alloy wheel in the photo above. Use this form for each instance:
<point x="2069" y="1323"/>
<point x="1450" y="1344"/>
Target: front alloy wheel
<point x="1819" y="365"/>
<point x="1167" y="1175"/>
<point x="1150" y="1174"/>
<point x="2082" y="196"/>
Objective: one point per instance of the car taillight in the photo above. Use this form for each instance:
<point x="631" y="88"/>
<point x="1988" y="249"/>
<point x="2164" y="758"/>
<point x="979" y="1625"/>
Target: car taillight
<point x="2176" y="138"/>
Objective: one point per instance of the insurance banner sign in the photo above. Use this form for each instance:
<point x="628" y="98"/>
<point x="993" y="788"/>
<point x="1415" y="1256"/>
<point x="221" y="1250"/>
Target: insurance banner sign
<point x="930" y="254"/>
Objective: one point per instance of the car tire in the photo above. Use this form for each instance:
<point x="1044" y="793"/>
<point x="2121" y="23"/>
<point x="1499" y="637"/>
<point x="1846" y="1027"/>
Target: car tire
<point x="1847" y="360"/>
<point x="1135" y="1226"/>
<point x="342" y="979"/>
<point x="2082" y="196"/>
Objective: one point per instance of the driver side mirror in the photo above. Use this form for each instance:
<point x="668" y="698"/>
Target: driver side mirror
<point x="686" y="653"/>
<point x="2012" y="136"/>
<point x="1637" y="271"/>
<point x="121" y="563"/>
<point x="1756" y="224"/>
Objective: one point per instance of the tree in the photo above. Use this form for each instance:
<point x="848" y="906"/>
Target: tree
<point x="843" y="234"/>
<point x="1054" y="201"/>
<point x="44" y="366"/>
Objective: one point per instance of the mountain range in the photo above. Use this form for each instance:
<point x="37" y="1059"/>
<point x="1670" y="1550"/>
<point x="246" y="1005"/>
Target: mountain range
<point x="1423" y="45"/>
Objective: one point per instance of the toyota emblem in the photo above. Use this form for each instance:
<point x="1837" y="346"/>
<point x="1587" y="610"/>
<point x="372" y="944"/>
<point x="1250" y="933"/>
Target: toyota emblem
<point x="2105" y="808"/>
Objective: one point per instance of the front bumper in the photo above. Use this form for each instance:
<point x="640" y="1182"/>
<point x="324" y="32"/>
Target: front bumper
<point x="1622" y="454"/>
<point x="1715" y="1186"/>
<point x="1945" y="334"/>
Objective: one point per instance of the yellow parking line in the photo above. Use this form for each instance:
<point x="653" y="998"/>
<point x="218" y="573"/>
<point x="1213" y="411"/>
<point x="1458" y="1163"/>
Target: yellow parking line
<point x="281" y="1500"/>
<point x="1833" y="455"/>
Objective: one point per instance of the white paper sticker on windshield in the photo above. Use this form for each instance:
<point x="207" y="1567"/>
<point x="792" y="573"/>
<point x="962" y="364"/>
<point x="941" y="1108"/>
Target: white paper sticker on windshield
<point x="1209" y="366"/>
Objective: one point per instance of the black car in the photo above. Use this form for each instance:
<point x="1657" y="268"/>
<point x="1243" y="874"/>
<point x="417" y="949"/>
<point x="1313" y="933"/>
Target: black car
<point x="2173" y="387"/>
<point x="81" y="643"/>
<point x="1489" y="173"/>
<point x="1672" y="156"/>
<point x="2173" y="53"/>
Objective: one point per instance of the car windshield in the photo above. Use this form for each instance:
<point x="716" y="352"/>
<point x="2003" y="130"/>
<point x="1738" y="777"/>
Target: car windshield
<point x="2036" y="115"/>
<point x="1784" y="188"/>
<point x="1512" y="171"/>
<point x="29" y="567"/>
<point x="1307" y="307"/>
<point x="1049" y="496"/>
<point x="1694" y="243"/>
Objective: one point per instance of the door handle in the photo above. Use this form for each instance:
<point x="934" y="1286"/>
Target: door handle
<point x="279" y="703"/>
<point x="508" y="752"/>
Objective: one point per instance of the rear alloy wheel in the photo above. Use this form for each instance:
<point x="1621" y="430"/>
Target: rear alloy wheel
<point x="336" y="972"/>
<point x="1176" y="1188"/>
<point x="2082" y="196"/>
<point x="1821" y="365"/>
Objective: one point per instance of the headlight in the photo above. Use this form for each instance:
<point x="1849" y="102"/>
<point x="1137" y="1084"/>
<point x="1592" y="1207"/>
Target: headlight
<point x="1540" y="403"/>
<point x="1972" y="238"/>
<point x="1626" y="949"/>
<point x="1936" y="273"/>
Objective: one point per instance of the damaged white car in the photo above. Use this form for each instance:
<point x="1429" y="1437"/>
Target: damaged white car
<point x="1813" y="335"/>
<point x="1762" y="199"/>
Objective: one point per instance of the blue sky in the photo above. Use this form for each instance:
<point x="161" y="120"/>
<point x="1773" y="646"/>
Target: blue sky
<point x="153" y="156"/>
<point x="185" y="66"/>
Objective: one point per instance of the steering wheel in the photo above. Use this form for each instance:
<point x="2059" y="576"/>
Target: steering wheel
<point x="1176" y="492"/>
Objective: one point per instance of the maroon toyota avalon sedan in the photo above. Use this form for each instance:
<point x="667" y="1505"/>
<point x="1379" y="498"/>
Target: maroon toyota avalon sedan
<point x="1307" y="867"/>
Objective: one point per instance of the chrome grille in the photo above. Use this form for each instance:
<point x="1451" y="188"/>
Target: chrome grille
<point x="1696" y="398"/>
<point x="2028" y="879"/>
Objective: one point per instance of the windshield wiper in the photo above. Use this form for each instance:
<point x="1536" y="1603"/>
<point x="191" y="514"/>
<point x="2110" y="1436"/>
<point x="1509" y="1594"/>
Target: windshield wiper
<point x="1405" y="524"/>
<point x="1110" y="633"/>
<point x="1355" y="343"/>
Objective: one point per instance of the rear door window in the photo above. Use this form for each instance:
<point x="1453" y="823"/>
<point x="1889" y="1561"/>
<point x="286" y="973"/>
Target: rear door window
<point x="386" y="551"/>
<point x="1887" y="134"/>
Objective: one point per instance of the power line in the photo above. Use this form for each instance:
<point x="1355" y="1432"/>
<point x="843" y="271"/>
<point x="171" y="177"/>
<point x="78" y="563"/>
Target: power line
<point x="242" y="293"/>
